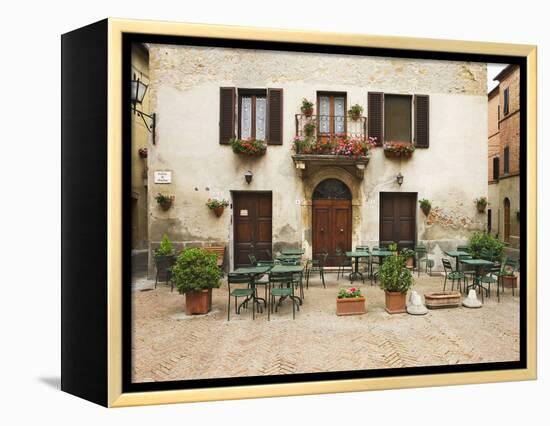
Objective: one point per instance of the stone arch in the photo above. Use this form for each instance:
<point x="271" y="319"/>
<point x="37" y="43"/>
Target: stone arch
<point x="310" y="183"/>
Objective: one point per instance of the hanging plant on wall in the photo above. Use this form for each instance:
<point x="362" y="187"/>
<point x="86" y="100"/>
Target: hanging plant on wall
<point x="425" y="206"/>
<point x="355" y="112"/>
<point x="142" y="152"/>
<point x="250" y="147"/>
<point x="165" y="201"/>
<point x="216" y="205"/>
<point x="307" y="107"/>
<point x="481" y="204"/>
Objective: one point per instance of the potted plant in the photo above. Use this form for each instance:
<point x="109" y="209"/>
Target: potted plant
<point x="509" y="278"/>
<point x="249" y="147"/>
<point x="395" y="280"/>
<point x="484" y="242"/>
<point x="481" y="203"/>
<point x="425" y="206"/>
<point x="351" y="147"/>
<point x="309" y="128"/>
<point x="307" y="107"/>
<point x="408" y="254"/>
<point x="142" y="152"/>
<point x="164" y="258"/>
<point x="355" y="112"/>
<point x="438" y="300"/>
<point x="195" y="274"/>
<point x="165" y="201"/>
<point x="350" y="301"/>
<point x="392" y="247"/>
<point x="217" y="205"/>
<point x="396" y="149"/>
<point x="303" y="145"/>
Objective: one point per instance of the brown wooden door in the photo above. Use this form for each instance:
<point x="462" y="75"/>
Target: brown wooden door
<point x="252" y="216"/>
<point x="398" y="219"/>
<point x="331" y="219"/>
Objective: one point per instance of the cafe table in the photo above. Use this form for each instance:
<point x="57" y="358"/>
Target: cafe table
<point x="294" y="269"/>
<point x="381" y="254"/>
<point x="292" y="251"/>
<point x="253" y="272"/>
<point x="356" y="255"/>
<point x="456" y="254"/>
<point x="479" y="265"/>
<point x="296" y="257"/>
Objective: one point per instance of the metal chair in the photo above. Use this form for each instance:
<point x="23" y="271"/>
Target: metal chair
<point x="451" y="274"/>
<point x="281" y="286"/>
<point x="236" y="293"/>
<point x="344" y="263"/>
<point x="316" y="265"/>
<point x="422" y="256"/>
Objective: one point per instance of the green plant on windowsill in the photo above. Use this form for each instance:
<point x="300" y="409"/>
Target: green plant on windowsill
<point x="250" y="147"/>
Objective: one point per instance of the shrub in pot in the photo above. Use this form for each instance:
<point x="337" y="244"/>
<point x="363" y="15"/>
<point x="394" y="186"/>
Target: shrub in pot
<point x="164" y="258"/>
<point x="395" y="280"/>
<point x="195" y="274"/>
<point x="408" y="254"/>
<point x="485" y="242"/>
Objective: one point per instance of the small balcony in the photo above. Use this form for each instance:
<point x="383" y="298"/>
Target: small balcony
<point x="328" y="140"/>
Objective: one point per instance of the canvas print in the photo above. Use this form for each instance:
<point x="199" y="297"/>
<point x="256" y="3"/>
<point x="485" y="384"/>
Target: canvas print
<point x="305" y="212"/>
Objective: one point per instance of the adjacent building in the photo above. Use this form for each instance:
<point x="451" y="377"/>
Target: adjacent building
<point x="503" y="214"/>
<point x="205" y="96"/>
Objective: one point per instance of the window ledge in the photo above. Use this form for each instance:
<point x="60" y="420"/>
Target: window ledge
<point x="305" y="163"/>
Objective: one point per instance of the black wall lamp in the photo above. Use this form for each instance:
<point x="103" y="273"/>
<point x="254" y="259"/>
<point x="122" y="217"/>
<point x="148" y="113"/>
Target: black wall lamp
<point x="399" y="178"/>
<point x="138" y="90"/>
<point x="248" y="176"/>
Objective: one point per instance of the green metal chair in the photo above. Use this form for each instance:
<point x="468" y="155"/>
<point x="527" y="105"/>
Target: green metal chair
<point x="281" y="285"/>
<point x="508" y="266"/>
<point x="422" y="256"/>
<point x="344" y="263"/>
<point x="451" y="274"/>
<point x="238" y="292"/>
<point x="467" y="271"/>
<point x="316" y="265"/>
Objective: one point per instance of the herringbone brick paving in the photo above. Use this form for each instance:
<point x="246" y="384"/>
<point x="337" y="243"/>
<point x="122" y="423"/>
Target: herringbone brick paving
<point x="168" y="345"/>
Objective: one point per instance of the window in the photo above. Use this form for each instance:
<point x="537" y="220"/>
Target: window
<point x="489" y="220"/>
<point x="506" y="100"/>
<point x="252" y="114"/>
<point x="331" y="108"/>
<point x="496" y="166"/>
<point x="506" y="160"/>
<point x="398" y="118"/>
<point x="498" y="117"/>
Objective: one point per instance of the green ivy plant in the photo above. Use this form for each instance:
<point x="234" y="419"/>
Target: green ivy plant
<point x="484" y="242"/>
<point x="165" y="248"/>
<point x="195" y="270"/>
<point x="394" y="276"/>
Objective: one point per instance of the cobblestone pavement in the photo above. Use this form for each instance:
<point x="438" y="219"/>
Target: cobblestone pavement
<point x="168" y="345"/>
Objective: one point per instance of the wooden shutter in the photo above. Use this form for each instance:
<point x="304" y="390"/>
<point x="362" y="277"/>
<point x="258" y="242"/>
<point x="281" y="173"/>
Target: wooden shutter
<point x="227" y="114"/>
<point x="275" y="116"/>
<point x="496" y="168"/>
<point x="422" y="121"/>
<point x="376" y="116"/>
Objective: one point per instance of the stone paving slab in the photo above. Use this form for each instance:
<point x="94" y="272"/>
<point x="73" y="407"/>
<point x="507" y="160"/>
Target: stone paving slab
<point x="169" y="345"/>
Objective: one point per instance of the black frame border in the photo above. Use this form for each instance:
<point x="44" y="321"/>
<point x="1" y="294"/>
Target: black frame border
<point x="129" y="38"/>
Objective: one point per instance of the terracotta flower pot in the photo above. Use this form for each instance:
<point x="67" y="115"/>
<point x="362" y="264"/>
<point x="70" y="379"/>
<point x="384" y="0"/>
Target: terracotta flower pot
<point x="410" y="262"/>
<point x="481" y="207"/>
<point x="308" y="112"/>
<point x="510" y="281"/>
<point x="218" y="210"/>
<point x="396" y="302"/>
<point x="436" y="300"/>
<point x="198" y="302"/>
<point x="350" y="306"/>
<point x="397" y="154"/>
<point x="165" y="205"/>
<point x="426" y="210"/>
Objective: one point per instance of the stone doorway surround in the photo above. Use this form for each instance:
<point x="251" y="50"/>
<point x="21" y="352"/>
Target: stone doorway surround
<point x="309" y="184"/>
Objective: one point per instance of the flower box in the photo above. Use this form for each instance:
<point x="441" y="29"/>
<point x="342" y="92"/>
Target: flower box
<point x="351" y="306"/>
<point x="198" y="302"/>
<point x="396" y="302"/>
<point x="395" y="149"/>
<point x="248" y="147"/>
<point x="436" y="300"/>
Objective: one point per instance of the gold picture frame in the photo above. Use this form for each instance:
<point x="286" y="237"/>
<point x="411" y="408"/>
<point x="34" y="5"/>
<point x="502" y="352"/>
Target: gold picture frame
<point x="116" y="28"/>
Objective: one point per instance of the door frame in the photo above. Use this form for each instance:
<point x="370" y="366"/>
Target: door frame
<point x="231" y="240"/>
<point x="415" y="209"/>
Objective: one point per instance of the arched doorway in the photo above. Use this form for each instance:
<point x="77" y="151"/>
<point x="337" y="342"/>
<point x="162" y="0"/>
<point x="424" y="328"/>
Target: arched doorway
<point x="331" y="206"/>
<point x="506" y="220"/>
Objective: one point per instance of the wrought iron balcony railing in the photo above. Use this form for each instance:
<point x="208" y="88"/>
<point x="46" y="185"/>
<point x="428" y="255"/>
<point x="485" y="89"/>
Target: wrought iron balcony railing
<point x="331" y="126"/>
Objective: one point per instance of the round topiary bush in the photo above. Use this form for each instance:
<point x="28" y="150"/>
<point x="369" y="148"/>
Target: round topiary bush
<point x="195" y="270"/>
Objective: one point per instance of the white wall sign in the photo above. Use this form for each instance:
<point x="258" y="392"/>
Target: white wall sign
<point x="244" y="213"/>
<point x="163" y="177"/>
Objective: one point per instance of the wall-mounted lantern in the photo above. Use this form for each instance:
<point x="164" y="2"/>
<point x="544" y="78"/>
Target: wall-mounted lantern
<point x="248" y="176"/>
<point x="137" y="92"/>
<point x="399" y="178"/>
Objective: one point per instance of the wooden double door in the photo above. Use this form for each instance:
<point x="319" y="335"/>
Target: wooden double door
<point x="398" y="219"/>
<point x="252" y="220"/>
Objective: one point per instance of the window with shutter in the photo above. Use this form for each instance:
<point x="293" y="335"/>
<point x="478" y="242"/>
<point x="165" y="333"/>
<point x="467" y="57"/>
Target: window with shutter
<point x="506" y="160"/>
<point x="398" y="118"/>
<point x="422" y="121"/>
<point x="275" y="116"/>
<point x="252" y="114"/>
<point x="375" y="105"/>
<point x="506" y="100"/>
<point x="227" y="114"/>
<point x="496" y="166"/>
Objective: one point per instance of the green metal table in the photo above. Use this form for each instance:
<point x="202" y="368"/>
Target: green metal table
<point x="294" y="269"/>
<point x="381" y="254"/>
<point x="479" y="265"/>
<point x="293" y="251"/>
<point x="252" y="272"/>
<point x="456" y="254"/>
<point x="356" y="255"/>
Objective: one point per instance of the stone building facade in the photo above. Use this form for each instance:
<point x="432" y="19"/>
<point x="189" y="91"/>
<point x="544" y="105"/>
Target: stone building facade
<point x="314" y="202"/>
<point x="504" y="157"/>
